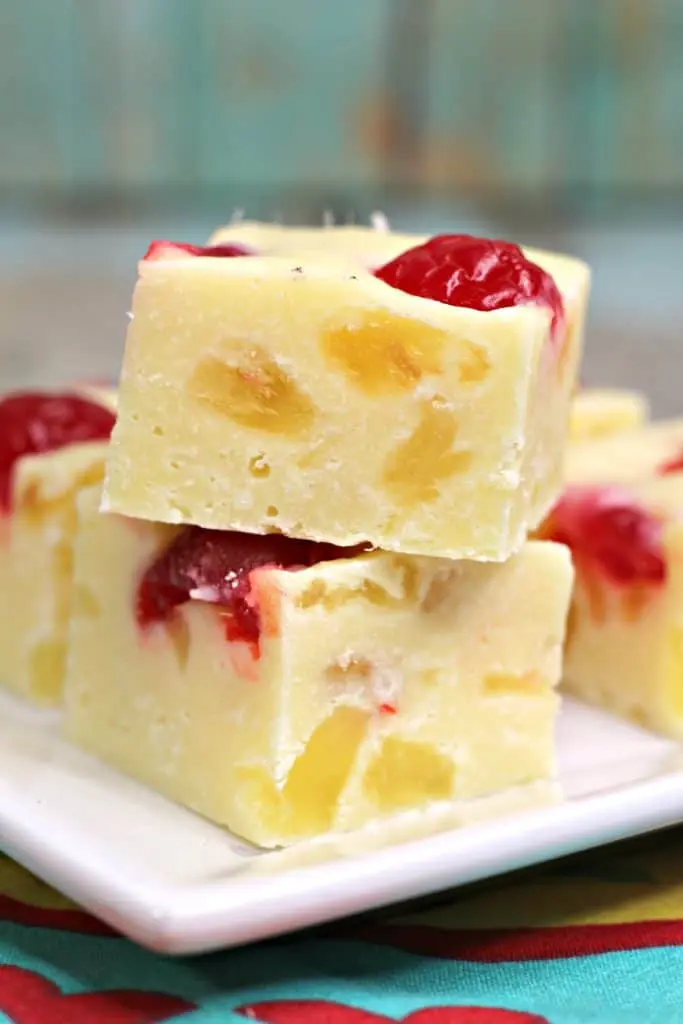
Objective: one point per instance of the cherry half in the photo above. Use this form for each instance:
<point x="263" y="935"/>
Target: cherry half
<point x="605" y="527"/>
<point x="36" y="422"/>
<point x="216" y="566"/>
<point x="479" y="273"/>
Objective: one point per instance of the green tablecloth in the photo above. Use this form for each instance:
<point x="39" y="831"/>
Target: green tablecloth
<point x="596" y="938"/>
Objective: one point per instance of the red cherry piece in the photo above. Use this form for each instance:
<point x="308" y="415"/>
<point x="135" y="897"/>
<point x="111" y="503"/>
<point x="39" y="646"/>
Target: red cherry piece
<point x="674" y="465"/>
<point x="478" y="273"/>
<point x="163" y="250"/>
<point x="608" y="529"/>
<point x="216" y="566"/>
<point x="388" y="709"/>
<point x="35" y="422"/>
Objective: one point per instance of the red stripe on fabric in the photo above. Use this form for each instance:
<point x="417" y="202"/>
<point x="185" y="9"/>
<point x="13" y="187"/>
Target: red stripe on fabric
<point x="315" y="1011"/>
<point x="60" y="920"/>
<point x="29" y="998"/>
<point x="501" y="945"/>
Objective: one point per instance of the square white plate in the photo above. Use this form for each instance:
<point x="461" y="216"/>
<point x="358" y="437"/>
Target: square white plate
<point x="177" y="884"/>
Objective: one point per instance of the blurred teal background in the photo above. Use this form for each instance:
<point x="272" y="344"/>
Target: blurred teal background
<point x="555" y="122"/>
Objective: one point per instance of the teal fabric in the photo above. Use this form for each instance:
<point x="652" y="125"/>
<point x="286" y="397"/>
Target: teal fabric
<point x="600" y="938"/>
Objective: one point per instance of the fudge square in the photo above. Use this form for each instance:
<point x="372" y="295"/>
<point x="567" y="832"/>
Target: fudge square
<point x="605" y="412"/>
<point x="264" y="393"/>
<point x="654" y="449"/>
<point x="51" y="444"/>
<point x="286" y="697"/>
<point x="624" y="648"/>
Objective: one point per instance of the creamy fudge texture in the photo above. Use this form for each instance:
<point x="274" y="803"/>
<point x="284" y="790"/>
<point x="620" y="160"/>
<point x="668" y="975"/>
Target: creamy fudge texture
<point x="367" y="246"/>
<point x="603" y="412"/>
<point x="8" y="624"/>
<point x="624" y="648"/>
<point x="371" y="685"/>
<point x="42" y="535"/>
<point x="654" y="449"/>
<point x="262" y="393"/>
<point x="371" y="247"/>
<point x="37" y="524"/>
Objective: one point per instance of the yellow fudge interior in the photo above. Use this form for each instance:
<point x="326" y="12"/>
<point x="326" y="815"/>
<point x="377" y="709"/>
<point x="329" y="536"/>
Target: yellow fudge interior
<point x="625" y="457"/>
<point x="624" y="648"/>
<point x="383" y="682"/>
<point x="264" y="393"/>
<point x="602" y="412"/>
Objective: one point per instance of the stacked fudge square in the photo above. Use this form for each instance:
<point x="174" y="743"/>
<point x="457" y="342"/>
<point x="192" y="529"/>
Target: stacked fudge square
<point x="621" y="514"/>
<point x="53" y="443"/>
<point x="306" y="599"/>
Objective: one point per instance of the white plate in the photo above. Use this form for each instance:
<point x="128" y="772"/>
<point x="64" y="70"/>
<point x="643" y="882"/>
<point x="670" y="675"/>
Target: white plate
<point x="177" y="884"/>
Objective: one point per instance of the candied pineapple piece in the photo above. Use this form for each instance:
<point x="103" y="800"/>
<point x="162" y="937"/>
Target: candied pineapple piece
<point x="424" y="460"/>
<point x="263" y="393"/>
<point x="359" y="692"/>
<point x="307" y="802"/>
<point x="603" y="412"/>
<point x="385" y="355"/>
<point x="403" y="773"/>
